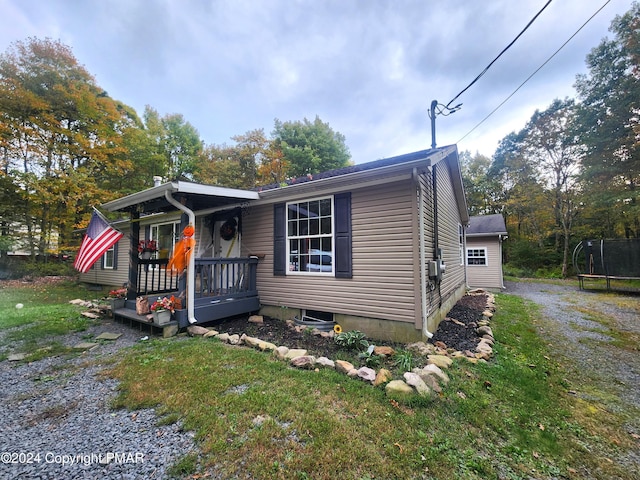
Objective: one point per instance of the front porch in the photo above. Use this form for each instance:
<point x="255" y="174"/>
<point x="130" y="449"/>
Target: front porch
<point x="224" y="287"/>
<point x="213" y="286"/>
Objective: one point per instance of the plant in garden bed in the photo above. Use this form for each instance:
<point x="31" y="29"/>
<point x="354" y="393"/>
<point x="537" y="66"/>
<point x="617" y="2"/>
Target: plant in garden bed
<point x="118" y="293"/>
<point x="352" y="340"/>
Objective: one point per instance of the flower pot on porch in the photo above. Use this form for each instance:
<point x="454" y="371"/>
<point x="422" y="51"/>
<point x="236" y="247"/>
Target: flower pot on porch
<point x="162" y="317"/>
<point x="146" y="255"/>
<point x="116" y="303"/>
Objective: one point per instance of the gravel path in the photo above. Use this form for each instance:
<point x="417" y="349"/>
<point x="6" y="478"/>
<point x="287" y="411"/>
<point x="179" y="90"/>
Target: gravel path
<point x="581" y="325"/>
<point x="56" y="421"/>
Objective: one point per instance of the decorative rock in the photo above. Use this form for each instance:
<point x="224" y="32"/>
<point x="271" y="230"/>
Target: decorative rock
<point x="398" y="388"/>
<point x="432" y="382"/>
<point x="250" y="341"/>
<point x="329" y="334"/>
<point x="440" y="345"/>
<point x="258" y="319"/>
<point x="210" y="333"/>
<point x="383" y="376"/>
<point x="484" y="330"/>
<point x="437" y="371"/>
<point x="367" y="374"/>
<point x="195" y="330"/>
<point x="281" y="352"/>
<point x="169" y="331"/>
<point x="421" y="348"/>
<point x="484" y="348"/>
<point x="294" y="353"/>
<point x="353" y="373"/>
<point x="441" y="361"/>
<point x="85" y="346"/>
<point x="108" y="336"/>
<point x="17" y="357"/>
<point x="234" y="339"/>
<point x="267" y="346"/>
<point x="343" y="366"/>
<point x="325" y="362"/>
<point x="90" y="315"/>
<point x="223" y="337"/>
<point x="303" y="361"/>
<point x="487" y="313"/>
<point x="382" y="350"/>
<point x="416" y="382"/>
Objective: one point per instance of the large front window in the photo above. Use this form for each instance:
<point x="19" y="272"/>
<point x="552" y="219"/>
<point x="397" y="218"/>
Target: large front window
<point x="310" y="236"/>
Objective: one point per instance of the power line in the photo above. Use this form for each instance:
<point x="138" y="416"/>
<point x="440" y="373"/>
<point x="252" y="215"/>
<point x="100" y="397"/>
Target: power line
<point x="499" y="55"/>
<point x="534" y="73"/>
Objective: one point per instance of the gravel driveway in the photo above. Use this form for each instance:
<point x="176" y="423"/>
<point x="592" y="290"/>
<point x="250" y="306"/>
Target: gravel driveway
<point x="56" y="422"/>
<point x="581" y="326"/>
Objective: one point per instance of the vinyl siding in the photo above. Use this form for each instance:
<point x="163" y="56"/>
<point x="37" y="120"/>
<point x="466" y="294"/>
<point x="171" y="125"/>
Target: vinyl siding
<point x="383" y="259"/>
<point x="490" y="275"/>
<point x="111" y="277"/>
<point x="448" y="231"/>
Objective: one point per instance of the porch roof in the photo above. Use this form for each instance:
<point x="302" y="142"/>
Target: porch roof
<point x="199" y="196"/>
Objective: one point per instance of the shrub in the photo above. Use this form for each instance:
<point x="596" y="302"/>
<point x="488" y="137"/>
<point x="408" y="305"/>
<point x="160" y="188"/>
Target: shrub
<point x="352" y="340"/>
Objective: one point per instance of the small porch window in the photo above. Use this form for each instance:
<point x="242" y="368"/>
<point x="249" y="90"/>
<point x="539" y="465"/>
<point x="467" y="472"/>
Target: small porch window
<point x="477" y="256"/>
<point x="165" y="235"/>
<point x="109" y="259"/>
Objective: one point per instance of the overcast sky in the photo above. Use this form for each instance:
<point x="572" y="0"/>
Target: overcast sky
<point x="369" y="68"/>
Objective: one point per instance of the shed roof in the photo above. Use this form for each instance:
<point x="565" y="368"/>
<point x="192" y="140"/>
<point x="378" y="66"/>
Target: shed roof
<point x="486" y="225"/>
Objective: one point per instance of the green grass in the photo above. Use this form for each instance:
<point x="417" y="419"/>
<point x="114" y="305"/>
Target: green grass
<point x="510" y="418"/>
<point x="254" y="417"/>
<point x="45" y="316"/>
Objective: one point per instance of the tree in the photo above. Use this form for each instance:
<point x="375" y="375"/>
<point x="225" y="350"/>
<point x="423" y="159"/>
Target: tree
<point x="60" y="139"/>
<point x="177" y="144"/>
<point x="481" y="190"/>
<point x="551" y="144"/>
<point x="310" y="147"/>
<point x="610" y="122"/>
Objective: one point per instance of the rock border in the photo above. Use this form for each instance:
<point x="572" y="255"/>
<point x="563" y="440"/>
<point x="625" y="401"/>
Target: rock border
<point x="424" y="381"/>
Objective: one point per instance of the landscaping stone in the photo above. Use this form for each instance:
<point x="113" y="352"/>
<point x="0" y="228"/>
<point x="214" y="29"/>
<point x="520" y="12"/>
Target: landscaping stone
<point x="281" y="352"/>
<point x="196" y="330"/>
<point x="85" y="345"/>
<point x="433" y="369"/>
<point x="383" y="376"/>
<point x="414" y="380"/>
<point x="367" y="374"/>
<point x="258" y="319"/>
<point x="108" y="336"/>
<point x="234" y="339"/>
<point x="325" y="362"/>
<point x="383" y="350"/>
<point x="398" y="388"/>
<point x="294" y="353"/>
<point x="441" y="361"/>
<point x="223" y="337"/>
<point x="303" y="361"/>
<point x="267" y="346"/>
<point x="210" y="333"/>
<point x="343" y="366"/>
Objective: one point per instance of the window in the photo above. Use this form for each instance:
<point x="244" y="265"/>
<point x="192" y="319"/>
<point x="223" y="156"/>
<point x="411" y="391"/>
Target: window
<point x="165" y="235"/>
<point x="109" y="258"/>
<point x="313" y="237"/>
<point x="477" y="256"/>
<point x="310" y="236"/>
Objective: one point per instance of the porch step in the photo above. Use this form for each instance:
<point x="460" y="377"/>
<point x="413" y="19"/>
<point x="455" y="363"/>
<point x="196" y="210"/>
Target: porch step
<point x="168" y="329"/>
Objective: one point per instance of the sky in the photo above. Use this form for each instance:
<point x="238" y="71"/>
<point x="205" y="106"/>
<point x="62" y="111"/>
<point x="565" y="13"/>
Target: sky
<point x="368" y="68"/>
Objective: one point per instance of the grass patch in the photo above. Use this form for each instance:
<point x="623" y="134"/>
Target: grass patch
<point x="45" y="315"/>
<point x="254" y="416"/>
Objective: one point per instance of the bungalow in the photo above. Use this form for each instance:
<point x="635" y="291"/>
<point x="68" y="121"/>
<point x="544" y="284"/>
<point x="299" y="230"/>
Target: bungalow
<point x="376" y="247"/>
<point x="484" y="236"/>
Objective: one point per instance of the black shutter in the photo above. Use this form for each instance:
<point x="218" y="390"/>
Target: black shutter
<point x="343" y="264"/>
<point x="279" y="239"/>
<point x="115" y="255"/>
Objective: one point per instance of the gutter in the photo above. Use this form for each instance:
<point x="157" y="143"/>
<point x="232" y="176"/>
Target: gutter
<point x="191" y="270"/>
<point x="423" y="257"/>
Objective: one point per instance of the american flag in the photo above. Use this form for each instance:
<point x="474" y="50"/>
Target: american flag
<point x="99" y="238"/>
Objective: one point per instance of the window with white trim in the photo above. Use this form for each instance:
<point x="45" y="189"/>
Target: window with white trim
<point x="165" y="235"/>
<point x="310" y="240"/>
<point x="477" y="256"/>
<point x="109" y="258"/>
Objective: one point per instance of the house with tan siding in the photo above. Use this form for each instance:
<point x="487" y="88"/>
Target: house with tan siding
<point x="484" y="238"/>
<point x="376" y="247"/>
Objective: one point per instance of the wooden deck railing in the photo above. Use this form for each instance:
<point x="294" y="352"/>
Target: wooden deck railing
<point x="214" y="277"/>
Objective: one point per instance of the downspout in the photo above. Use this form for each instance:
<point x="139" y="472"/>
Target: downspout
<point x="191" y="270"/>
<point x="424" y="279"/>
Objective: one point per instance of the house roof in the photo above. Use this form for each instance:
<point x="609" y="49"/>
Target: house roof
<point x="483" y="225"/>
<point x="153" y="200"/>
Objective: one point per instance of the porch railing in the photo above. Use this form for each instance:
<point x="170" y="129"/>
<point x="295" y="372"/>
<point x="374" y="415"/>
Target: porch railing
<point x="214" y="277"/>
<point x="219" y="277"/>
<point x="153" y="277"/>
